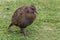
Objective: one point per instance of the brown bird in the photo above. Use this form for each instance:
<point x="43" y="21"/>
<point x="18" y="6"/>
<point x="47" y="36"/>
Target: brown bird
<point x="23" y="17"/>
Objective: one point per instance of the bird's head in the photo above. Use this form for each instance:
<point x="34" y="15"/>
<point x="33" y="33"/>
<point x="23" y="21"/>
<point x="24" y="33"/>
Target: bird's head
<point x="31" y="12"/>
<point x="31" y="9"/>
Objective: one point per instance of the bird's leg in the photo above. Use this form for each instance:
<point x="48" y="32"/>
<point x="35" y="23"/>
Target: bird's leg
<point x="9" y="26"/>
<point x="23" y="31"/>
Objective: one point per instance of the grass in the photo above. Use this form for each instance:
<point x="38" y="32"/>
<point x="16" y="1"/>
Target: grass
<point x="45" y="27"/>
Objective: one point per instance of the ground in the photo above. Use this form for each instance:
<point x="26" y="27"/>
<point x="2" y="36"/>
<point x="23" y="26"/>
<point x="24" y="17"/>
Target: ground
<point x="45" y="27"/>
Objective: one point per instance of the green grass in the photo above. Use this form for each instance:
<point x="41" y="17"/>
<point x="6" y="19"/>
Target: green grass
<point x="45" y="27"/>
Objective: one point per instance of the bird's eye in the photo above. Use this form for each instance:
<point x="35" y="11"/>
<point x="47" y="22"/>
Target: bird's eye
<point x="30" y="11"/>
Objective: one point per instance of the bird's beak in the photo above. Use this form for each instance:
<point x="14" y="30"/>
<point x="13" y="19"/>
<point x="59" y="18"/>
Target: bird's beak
<point x="35" y="13"/>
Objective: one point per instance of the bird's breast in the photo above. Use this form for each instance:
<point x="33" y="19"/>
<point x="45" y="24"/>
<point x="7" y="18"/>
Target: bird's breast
<point x="30" y="16"/>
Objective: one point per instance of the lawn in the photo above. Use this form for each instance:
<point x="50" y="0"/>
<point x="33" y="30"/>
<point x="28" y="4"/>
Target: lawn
<point x="45" y="27"/>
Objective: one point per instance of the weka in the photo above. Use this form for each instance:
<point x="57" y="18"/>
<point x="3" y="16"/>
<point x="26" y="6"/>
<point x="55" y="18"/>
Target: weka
<point x="23" y="17"/>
